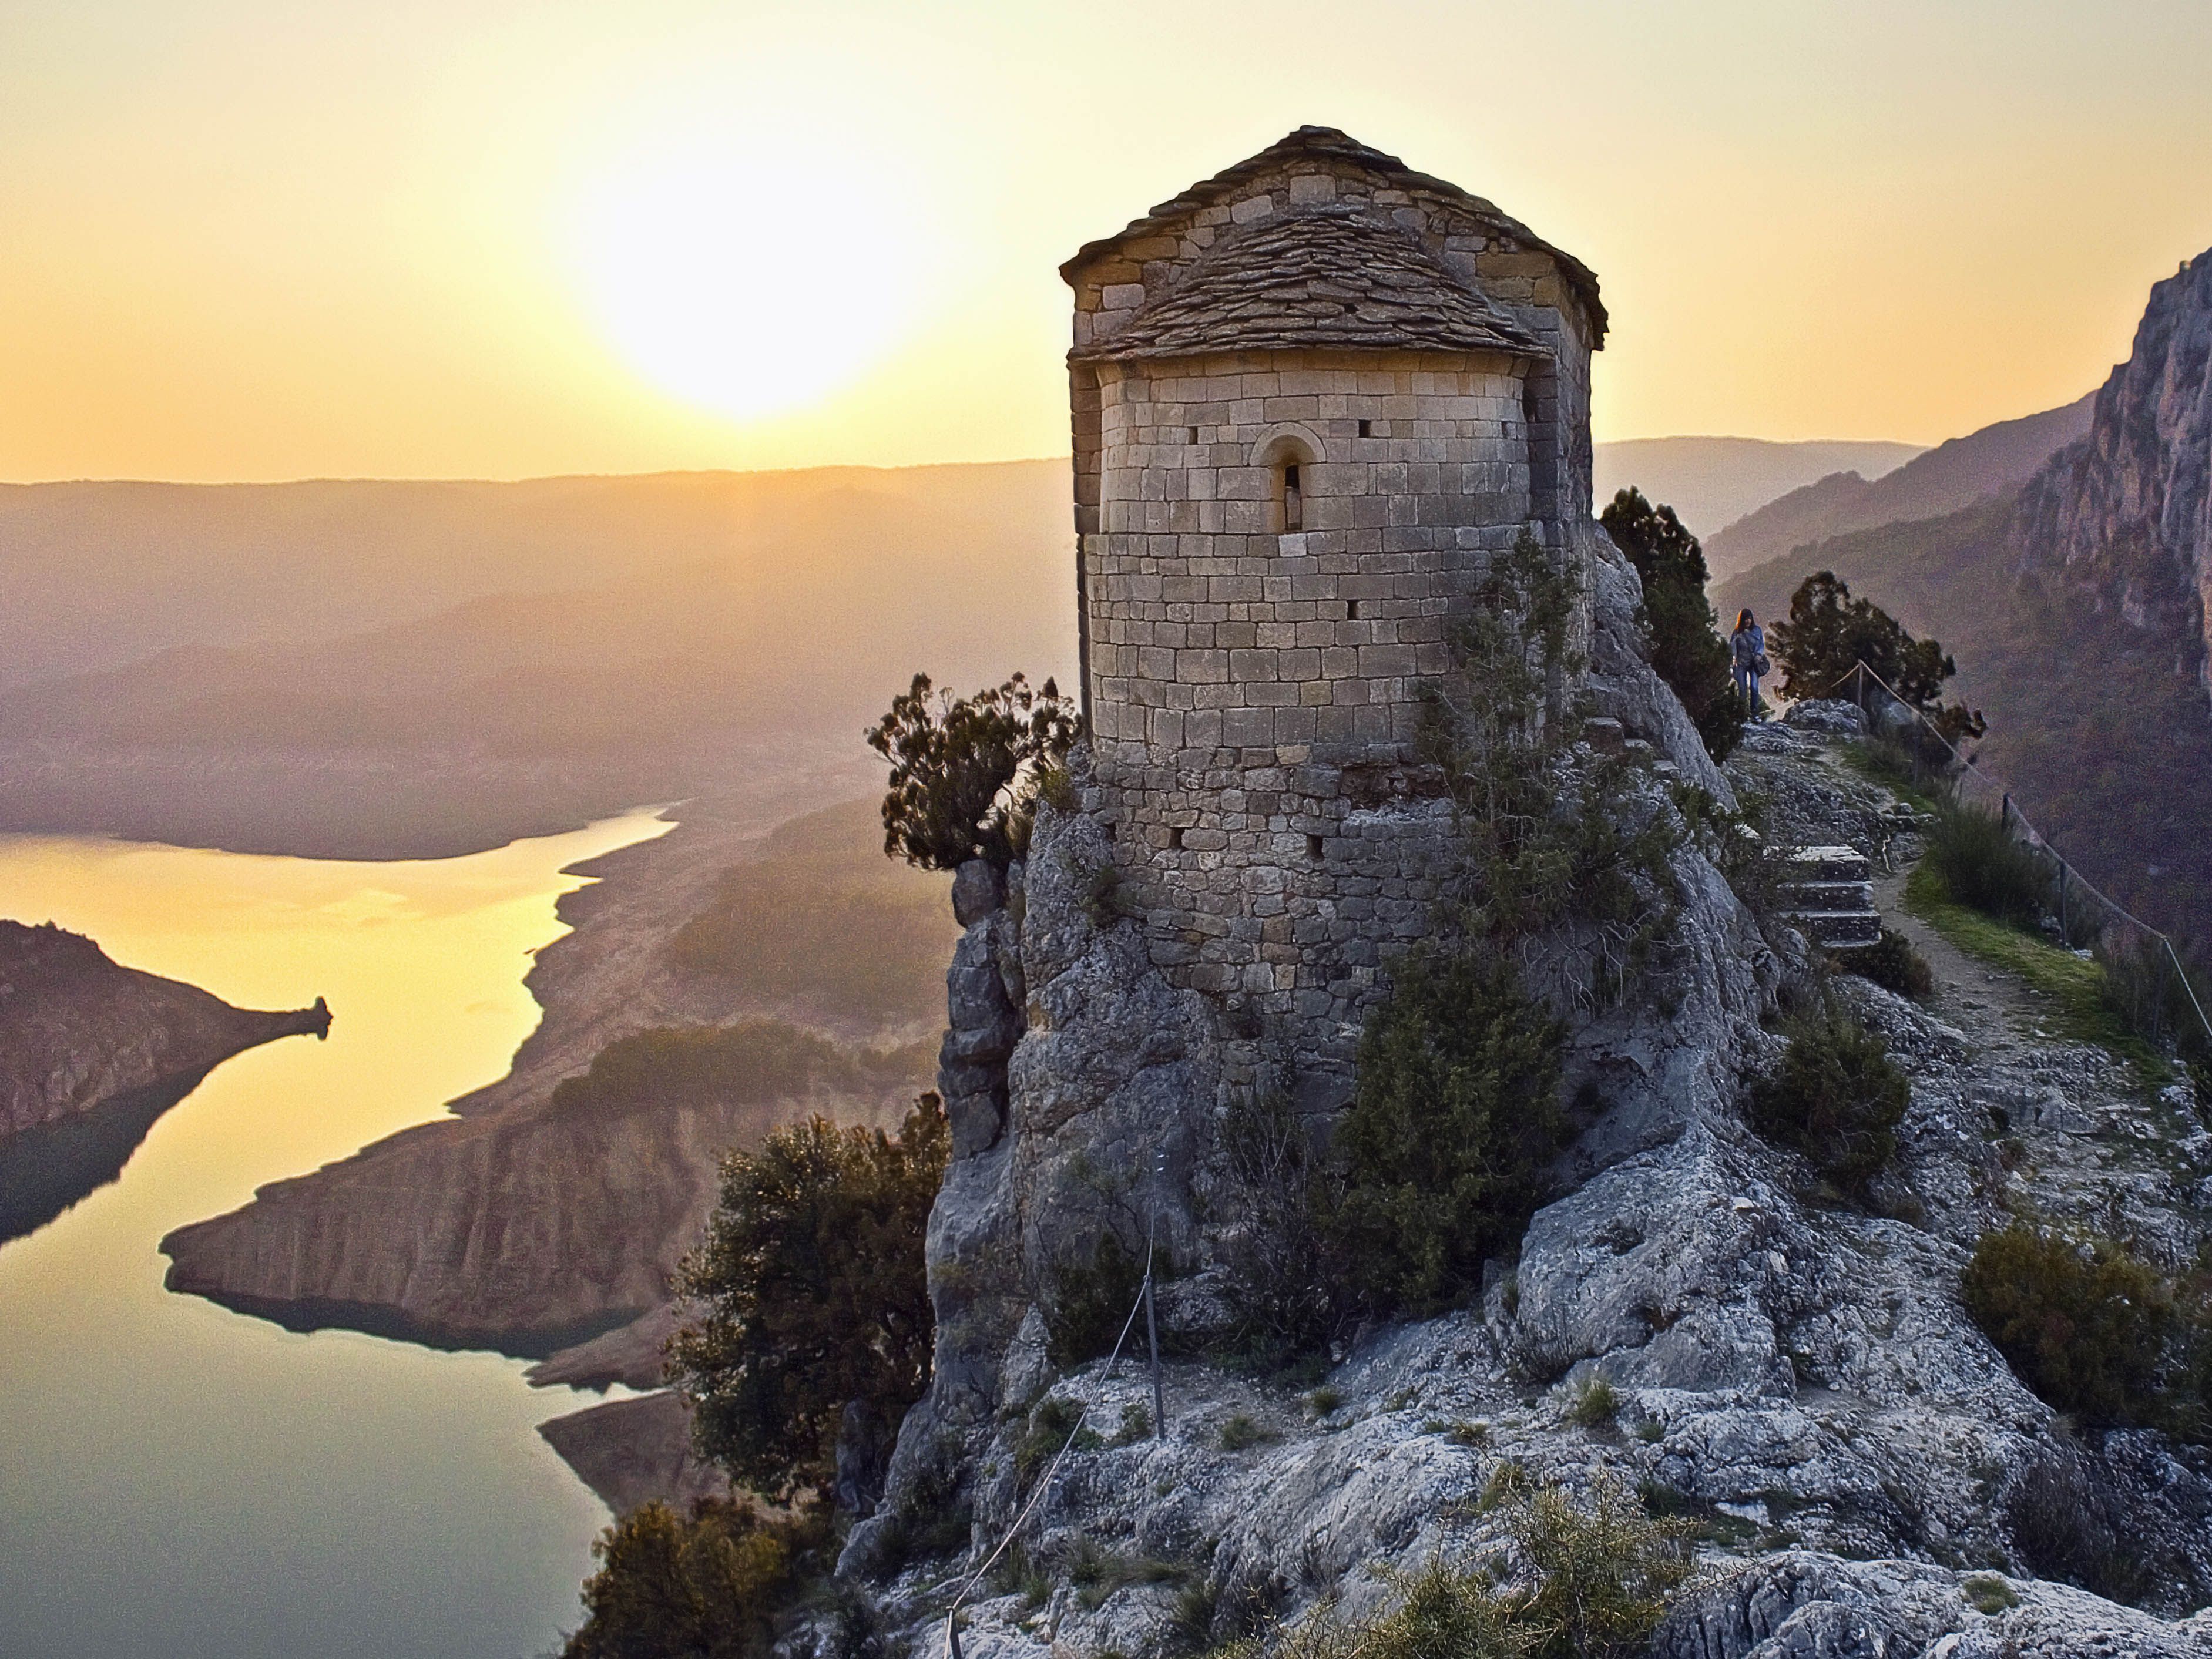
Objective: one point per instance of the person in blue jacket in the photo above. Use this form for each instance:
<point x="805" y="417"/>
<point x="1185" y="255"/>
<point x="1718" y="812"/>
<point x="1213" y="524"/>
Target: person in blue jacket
<point x="1748" y="657"/>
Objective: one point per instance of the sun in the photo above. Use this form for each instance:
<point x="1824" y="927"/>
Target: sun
<point x="748" y="281"/>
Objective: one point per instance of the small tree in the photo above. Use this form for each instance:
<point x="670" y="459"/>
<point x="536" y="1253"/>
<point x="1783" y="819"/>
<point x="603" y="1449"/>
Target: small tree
<point x="710" y="1585"/>
<point x="816" y="1296"/>
<point x="963" y="770"/>
<point x="1686" y="649"/>
<point x="1829" y="632"/>
<point x="1454" y="1118"/>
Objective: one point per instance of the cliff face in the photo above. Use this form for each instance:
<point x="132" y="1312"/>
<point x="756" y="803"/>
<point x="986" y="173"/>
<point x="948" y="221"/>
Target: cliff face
<point x="77" y="1030"/>
<point x="520" y="1226"/>
<point x="1798" y="1372"/>
<point x="2124" y="514"/>
<point x="1801" y="1375"/>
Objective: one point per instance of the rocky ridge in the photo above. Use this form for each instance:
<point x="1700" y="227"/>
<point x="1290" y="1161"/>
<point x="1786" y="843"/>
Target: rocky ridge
<point x="1799" y="1375"/>
<point x="81" y="1030"/>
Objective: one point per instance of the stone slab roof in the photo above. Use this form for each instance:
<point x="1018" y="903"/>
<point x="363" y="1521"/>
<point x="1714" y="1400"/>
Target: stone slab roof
<point x="1320" y="277"/>
<point x="1327" y="143"/>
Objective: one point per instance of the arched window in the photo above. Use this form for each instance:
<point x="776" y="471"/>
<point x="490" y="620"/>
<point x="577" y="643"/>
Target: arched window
<point x="1288" y="452"/>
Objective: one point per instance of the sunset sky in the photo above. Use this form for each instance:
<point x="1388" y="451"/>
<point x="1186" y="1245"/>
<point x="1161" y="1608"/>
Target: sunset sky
<point x="242" y="240"/>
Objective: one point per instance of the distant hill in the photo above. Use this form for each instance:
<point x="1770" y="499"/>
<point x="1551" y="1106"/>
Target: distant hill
<point x="1712" y="482"/>
<point x="1994" y="461"/>
<point x="756" y="624"/>
<point x="99" y="574"/>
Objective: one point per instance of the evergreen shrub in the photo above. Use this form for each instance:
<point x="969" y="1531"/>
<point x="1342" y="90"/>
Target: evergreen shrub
<point x="814" y="1295"/>
<point x="1454" y="1120"/>
<point x="1089" y="1307"/>
<point x="1981" y="865"/>
<point x="1892" y="963"/>
<point x="1603" y="1573"/>
<point x="1687" y="651"/>
<point x="964" y="770"/>
<point x="1837" y="1096"/>
<point x="711" y="1583"/>
<point x="2084" y="1323"/>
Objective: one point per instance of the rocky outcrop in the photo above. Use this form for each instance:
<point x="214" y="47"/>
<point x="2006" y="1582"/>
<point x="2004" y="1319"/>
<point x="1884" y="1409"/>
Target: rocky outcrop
<point x="636" y="1451"/>
<point x="91" y="1055"/>
<point x="1868" y="1474"/>
<point x="77" y="1030"/>
<point x="2125" y="513"/>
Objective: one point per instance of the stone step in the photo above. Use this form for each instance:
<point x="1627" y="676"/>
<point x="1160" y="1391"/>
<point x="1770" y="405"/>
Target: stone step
<point x="1839" y="930"/>
<point x="1824" y="863"/>
<point x="1828" y="894"/>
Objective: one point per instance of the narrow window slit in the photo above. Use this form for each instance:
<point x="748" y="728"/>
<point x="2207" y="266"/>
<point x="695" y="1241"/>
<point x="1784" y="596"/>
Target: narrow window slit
<point x="1367" y="428"/>
<point x="1174" y="837"/>
<point x="1294" y="513"/>
<point x="1313" y="848"/>
<point x="1351" y="610"/>
<point x="1194" y="435"/>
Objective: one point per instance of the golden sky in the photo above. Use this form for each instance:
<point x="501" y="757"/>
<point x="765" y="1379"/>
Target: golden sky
<point x="247" y="239"/>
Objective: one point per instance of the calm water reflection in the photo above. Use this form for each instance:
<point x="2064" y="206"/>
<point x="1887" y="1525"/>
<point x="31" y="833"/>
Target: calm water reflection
<point x="180" y="1481"/>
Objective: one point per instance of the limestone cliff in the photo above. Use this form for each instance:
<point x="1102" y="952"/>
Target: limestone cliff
<point x="2124" y="514"/>
<point x="1799" y="1374"/>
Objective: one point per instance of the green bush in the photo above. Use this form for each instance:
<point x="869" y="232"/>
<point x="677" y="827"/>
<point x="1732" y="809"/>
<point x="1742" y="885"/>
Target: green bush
<point x="1604" y="1574"/>
<point x="1089" y="1307"/>
<point x="815" y="1296"/>
<point x="1454" y="1121"/>
<point x="1836" y="1098"/>
<point x="1981" y="865"/>
<point x="1893" y="963"/>
<point x="2084" y="1324"/>
<point x="963" y="770"/>
<point x="1605" y="1570"/>
<point x="709" y="1585"/>
<point x="1242" y="1432"/>
<point x="1597" y="1405"/>
<point x="1687" y="651"/>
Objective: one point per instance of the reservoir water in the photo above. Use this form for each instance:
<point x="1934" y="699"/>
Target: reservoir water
<point x="180" y="1482"/>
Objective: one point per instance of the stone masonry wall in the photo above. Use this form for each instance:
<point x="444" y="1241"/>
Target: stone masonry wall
<point x="1254" y="689"/>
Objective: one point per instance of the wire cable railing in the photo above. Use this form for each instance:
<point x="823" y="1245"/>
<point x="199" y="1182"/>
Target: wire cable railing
<point x="2144" y="968"/>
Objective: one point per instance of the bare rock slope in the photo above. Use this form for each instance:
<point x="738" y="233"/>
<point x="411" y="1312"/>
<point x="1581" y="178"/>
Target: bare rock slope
<point x="1868" y="1474"/>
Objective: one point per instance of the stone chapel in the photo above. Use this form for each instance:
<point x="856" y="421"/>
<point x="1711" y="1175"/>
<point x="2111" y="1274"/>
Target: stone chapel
<point x="1311" y="397"/>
